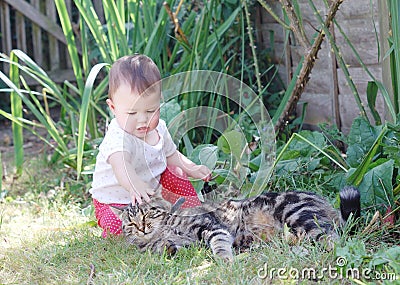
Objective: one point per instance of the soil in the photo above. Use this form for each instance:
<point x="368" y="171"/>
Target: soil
<point x="32" y="144"/>
<point x="33" y="147"/>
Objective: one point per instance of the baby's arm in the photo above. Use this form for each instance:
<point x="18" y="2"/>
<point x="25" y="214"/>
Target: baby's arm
<point x="189" y="167"/>
<point x="125" y="173"/>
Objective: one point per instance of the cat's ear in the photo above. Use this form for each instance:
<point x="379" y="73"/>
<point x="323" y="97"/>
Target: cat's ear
<point x="175" y="207"/>
<point x="116" y="210"/>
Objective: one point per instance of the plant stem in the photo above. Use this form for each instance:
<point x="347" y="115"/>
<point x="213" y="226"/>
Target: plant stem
<point x="178" y="30"/>
<point x="295" y="135"/>
<point x="295" y="26"/>
<point x="273" y="14"/>
<point x="253" y="50"/>
<point x="395" y="56"/>
<point x="304" y="75"/>
<point x="341" y="62"/>
<point x="16" y="110"/>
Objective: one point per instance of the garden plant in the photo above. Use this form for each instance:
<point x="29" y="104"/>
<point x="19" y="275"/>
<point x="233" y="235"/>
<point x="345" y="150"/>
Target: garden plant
<point x="47" y="225"/>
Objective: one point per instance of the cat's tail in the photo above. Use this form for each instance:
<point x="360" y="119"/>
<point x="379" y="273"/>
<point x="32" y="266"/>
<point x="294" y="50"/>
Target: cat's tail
<point x="350" y="203"/>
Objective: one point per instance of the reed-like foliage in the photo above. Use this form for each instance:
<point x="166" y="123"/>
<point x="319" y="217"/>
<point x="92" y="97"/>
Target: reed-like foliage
<point x="206" y="38"/>
<point x="394" y="9"/>
<point x="370" y="146"/>
<point x="27" y="67"/>
<point x="16" y="110"/>
<point x="178" y="39"/>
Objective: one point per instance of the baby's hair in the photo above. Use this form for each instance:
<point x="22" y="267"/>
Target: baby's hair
<point x="138" y="71"/>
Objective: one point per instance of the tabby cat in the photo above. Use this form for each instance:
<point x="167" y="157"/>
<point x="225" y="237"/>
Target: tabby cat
<point x="158" y="226"/>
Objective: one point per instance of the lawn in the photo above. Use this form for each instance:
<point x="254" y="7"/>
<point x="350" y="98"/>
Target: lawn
<point x="49" y="236"/>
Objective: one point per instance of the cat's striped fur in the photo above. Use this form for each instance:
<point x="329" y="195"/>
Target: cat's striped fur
<point x="235" y="223"/>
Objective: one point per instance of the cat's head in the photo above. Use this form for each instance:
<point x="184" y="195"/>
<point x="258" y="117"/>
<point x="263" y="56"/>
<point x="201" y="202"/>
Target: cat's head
<point x="144" y="220"/>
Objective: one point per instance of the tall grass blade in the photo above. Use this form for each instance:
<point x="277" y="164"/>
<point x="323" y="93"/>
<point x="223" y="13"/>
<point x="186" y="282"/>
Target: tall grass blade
<point x="253" y="50"/>
<point x="296" y="135"/>
<point x="389" y="104"/>
<point x="87" y="92"/>
<point x="16" y="110"/>
<point x="372" y="93"/>
<point x="224" y="27"/>
<point x="378" y="83"/>
<point x="116" y="29"/>
<point x="71" y="44"/>
<point x="29" y="125"/>
<point x="40" y="116"/>
<point x="288" y="93"/>
<point x="358" y="175"/>
<point x="31" y="69"/>
<point x="394" y="7"/>
<point x="85" y="46"/>
<point x="34" y="71"/>
<point x="86" y="11"/>
<point x="156" y="37"/>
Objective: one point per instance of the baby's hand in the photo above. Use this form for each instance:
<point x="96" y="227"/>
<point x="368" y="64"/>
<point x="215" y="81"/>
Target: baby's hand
<point x="141" y="194"/>
<point x="200" y="172"/>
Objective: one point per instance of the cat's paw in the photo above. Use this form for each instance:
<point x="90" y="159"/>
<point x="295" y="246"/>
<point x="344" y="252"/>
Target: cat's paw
<point x="226" y="256"/>
<point x="170" y="248"/>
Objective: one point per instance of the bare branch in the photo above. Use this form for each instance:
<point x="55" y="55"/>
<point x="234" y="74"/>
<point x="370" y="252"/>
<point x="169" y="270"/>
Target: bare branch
<point x="295" y="26"/>
<point x="309" y="62"/>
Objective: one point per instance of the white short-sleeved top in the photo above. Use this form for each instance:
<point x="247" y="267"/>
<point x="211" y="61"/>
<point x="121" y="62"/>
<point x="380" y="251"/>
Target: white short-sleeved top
<point x="149" y="162"/>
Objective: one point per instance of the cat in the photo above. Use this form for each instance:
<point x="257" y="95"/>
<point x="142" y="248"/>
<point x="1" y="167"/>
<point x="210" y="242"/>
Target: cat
<point x="159" y="226"/>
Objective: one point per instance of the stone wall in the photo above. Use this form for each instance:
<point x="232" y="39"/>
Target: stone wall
<point x="328" y="96"/>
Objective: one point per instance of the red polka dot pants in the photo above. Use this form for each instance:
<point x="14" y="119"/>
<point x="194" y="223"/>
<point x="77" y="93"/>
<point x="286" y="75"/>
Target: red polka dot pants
<point x="175" y="185"/>
<point x="106" y="219"/>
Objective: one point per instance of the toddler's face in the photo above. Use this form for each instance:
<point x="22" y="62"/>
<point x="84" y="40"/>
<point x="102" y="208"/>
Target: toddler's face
<point x="136" y="114"/>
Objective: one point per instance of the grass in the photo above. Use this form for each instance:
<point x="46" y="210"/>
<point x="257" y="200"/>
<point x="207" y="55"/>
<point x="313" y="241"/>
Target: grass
<point x="49" y="237"/>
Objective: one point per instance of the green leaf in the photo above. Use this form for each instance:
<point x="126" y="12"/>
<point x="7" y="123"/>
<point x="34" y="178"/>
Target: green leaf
<point x="391" y="145"/>
<point x="353" y="253"/>
<point x="169" y="110"/>
<point x="394" y="9"/>
<point x="389" y="104"/>
<point x="356" y="177"/>
<point x="290" y="155"/>
<point x="71" y="44"/>
<point x="225" y="174"/>
<point x="84" y="113"/>
<point x="87" y="12"/>
<point x="386" y="255"/>
<point x="303" y="146"/>
<point x="205" y="154"/>
<point x="255" y="163"/>
<point x="300" y="143"/>
<point x="116" y="29"/>
<point x="372" y="92"/>
<point x="40" y="115"/>
<point x="16" y="110"/>
<point x="232" y="142"/>
<point x="376" y="188"/>
<point x="361" y="138"/>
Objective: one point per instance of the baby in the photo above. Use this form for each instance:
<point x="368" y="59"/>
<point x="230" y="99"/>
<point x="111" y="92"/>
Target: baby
<point x="137" y="153"/>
